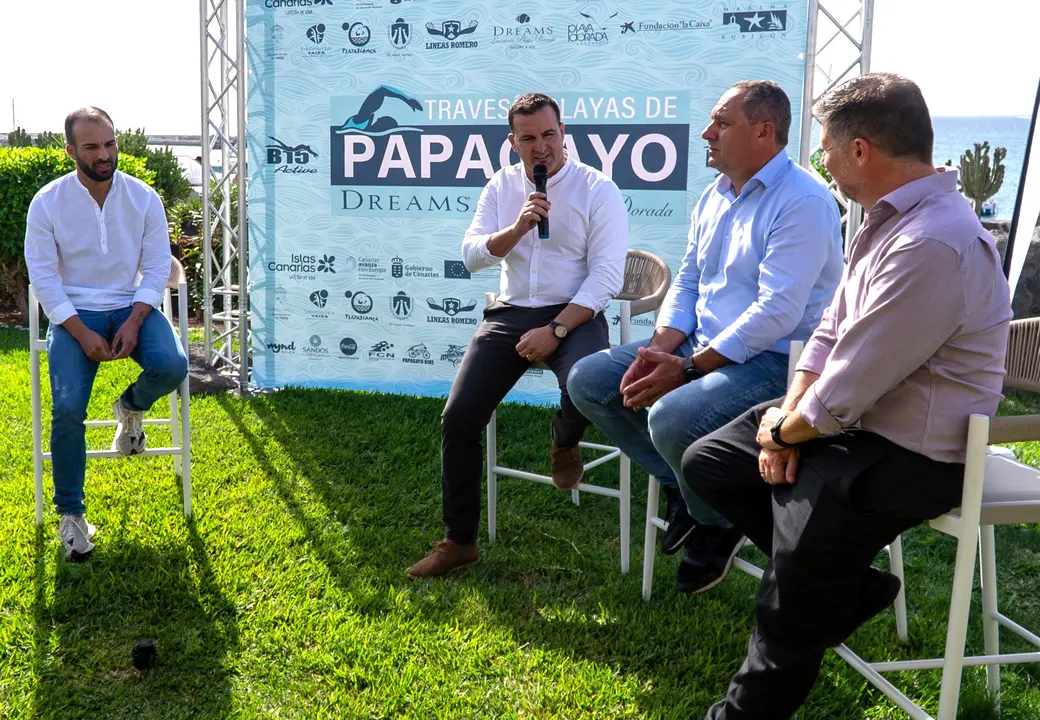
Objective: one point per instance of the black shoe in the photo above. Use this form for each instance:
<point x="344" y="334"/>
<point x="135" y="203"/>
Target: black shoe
<point x="707" y="557"/>
<point x="879" y="591"/>
<point x="680" y="524"/>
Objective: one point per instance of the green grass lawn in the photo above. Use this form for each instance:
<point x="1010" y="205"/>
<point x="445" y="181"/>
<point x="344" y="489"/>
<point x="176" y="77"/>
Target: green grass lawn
<point x="286" y="597"/>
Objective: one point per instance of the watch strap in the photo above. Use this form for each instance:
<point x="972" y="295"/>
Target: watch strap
<point x="774" y="433"/>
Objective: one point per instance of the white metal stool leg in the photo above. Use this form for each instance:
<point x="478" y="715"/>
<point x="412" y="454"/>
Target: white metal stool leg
<point x="653" y="491"/>
<point x="492" y="477"/>
<point x="626" y="512"/>
<point x="34" y="364"/>
<point x="895" y="562"/>
<point x="990" y="626"/>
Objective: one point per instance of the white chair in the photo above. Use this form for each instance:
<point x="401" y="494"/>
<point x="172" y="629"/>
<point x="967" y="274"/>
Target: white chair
<point x="647" y="278"/>
<point x="654" y="522"/>
<point x="180" y="445"/>
<point x="998" y="490"/>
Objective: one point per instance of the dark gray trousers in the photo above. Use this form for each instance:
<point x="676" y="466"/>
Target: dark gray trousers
<point x="488" y="372"/>
<point x="854" y="494"/>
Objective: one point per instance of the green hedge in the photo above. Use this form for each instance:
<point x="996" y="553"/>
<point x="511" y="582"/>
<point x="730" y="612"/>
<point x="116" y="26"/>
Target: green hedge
<point x="23" y="171"/>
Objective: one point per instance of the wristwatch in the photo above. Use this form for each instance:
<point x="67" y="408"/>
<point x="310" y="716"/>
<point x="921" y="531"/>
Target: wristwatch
<point x="560" y="331"/>
<point x="690" y="371"/>
<point x="774" y="433"/>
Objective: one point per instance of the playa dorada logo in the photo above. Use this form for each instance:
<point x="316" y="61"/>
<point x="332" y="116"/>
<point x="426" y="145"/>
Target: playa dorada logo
<point x="590" y="29"/>
<point x="451" y="307"/>
<point x="359" y="35"/>
<point x="290" y="159"/>
<point x="450" y="31"/>
<point x="454" y="354"/>
<point x="523" y="34"/>
<point x="756" y="21"/>
<point x="418" y="355"/>
<point x="398" y="155"/>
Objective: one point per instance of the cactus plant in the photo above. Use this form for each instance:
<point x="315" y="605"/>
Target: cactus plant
<point x="978" y="180"/>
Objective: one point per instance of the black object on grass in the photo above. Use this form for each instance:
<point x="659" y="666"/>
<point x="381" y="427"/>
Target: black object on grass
<point x="144" y="655"/>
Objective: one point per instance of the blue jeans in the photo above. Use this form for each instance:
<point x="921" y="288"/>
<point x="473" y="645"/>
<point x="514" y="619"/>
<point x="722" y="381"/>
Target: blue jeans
<point x="658" y="437"/>
<point x="163" y="367"/>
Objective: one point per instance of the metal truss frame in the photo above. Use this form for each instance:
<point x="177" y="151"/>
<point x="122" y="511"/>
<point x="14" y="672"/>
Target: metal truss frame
<point x="839" y="32"/>
<point x="225" y="243"/>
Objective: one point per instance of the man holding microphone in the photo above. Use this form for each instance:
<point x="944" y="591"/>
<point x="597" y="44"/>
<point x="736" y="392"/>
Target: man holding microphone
<point x="554" y="288"/>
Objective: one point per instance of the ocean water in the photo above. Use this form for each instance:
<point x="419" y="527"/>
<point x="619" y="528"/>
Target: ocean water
<point x="954" y="135"/>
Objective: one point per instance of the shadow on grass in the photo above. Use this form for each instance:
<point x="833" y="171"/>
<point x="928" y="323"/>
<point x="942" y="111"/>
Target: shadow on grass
<point x="100" y="608"/>
<point x="552" y="579"/>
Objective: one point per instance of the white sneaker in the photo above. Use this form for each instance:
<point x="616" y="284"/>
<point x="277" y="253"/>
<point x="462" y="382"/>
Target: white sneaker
<point x="75" y="533"/>
<point x="130" y="437"/>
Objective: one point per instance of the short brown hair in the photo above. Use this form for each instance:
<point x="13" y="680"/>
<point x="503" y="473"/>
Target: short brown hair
<point x="529" y="104"/>
<point x="84" y="113"/>
<point x="765" y="101"/>
<point x="886" y="109"/>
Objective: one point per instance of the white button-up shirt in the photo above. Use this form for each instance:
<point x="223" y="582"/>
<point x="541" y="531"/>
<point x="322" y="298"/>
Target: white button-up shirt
<point x="83" y="257"/>
<point x="583" y="259"/>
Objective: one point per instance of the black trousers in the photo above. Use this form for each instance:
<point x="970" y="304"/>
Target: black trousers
<point x="854" y="494"/>
<point x="489" y="370"/>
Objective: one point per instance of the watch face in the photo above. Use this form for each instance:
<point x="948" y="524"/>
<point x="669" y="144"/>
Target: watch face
<point x="560" y="331"/>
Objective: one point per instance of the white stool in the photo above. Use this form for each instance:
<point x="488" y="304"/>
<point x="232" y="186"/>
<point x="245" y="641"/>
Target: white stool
<point x="180" y="434"/>
<point x="647" y="278"/>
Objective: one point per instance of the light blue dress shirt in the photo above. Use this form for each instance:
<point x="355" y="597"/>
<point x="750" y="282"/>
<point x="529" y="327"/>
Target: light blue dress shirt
<point x="760" y="268"/>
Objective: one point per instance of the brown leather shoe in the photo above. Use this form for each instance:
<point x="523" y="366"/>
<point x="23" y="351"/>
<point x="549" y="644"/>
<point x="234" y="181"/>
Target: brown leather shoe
<point x="567" y="466"/>
<point x="447" y="555"/>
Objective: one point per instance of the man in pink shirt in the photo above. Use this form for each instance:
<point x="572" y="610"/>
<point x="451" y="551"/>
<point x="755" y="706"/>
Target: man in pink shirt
<point x="870" y="439"/>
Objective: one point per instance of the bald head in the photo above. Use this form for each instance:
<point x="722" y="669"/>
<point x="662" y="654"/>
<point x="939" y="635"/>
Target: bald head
<point x="85" y="114"/>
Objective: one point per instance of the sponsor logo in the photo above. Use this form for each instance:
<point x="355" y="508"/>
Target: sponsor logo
<point x="276" y="43"/>
<point x="396" y="267"/>
<point x="304" y="267"/>
<point x="348" y="348"/>
<point x="418" y="355"/>
<point x="590" y="30"/>
<point x="382" y="350"/>
<point x="451" y="31"/>
<point x="364" y="267"/>
<point x="315" y="347"/>
<point x="294" y="7"/>
<point x="359" y="35"/>
<point x="319" y="298"/>
<point x="281" y="298"/>
<point x="454" y="354"/>
<point x="451" y="307"/>
<point x="401" y="35"/>
<point x="401" y="306"/>
<point x="322" y="2"/>
<point x="523" y="34"/>
<point x="316" y="34"/>
<point x="278" y="348"/>
<point x="290" y="159"/>
<point x="756" y="21"/>
<point x="657" y="26"/>
<point x="636" y="321"/>
<point x="456" y="270"/>
<point x="361" y="303"/>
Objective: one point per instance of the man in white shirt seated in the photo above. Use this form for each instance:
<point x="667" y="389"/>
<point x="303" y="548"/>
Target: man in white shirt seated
<point x="98" y="253"/>
<point x="553" y="293"/>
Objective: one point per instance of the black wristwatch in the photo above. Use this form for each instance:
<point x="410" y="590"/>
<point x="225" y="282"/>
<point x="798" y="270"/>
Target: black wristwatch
<point x="560" y="331"/>
<point x="774" y="433"/>
<point x="690" y="371"/>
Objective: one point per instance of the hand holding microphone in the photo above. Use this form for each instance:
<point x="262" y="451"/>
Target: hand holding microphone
<point x="536" y="210"/>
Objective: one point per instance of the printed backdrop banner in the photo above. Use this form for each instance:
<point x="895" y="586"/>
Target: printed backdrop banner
<point x="373" y="125"/>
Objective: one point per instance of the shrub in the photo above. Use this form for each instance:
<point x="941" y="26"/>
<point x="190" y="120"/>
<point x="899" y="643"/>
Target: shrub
<point x="170" y="182"/>
<point x="23" y="171"/>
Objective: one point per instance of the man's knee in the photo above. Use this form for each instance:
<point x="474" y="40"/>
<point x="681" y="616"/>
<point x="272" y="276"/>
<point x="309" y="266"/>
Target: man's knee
<point x="591" y="380"/>
<point x="68" y="401"/>
<point x="463" y="417"/>
<point x="670" y="431"/>
<point x="701" y="467"/>
<point x="171" y="370"/>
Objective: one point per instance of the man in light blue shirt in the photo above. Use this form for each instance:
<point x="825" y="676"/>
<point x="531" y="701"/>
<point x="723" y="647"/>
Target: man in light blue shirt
<point x="763" y="261"/>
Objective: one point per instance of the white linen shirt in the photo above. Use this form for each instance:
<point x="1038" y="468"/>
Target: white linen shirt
<point x="82" y="257"/>
<point x="582" y="261"/>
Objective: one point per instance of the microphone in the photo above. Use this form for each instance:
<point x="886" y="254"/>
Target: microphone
<point x="541" y="176"/>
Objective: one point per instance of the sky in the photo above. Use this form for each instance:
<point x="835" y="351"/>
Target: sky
<point x="139" y="59"/>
